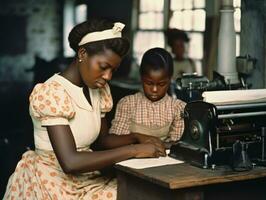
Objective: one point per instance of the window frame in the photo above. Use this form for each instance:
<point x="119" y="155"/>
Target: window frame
<point x="166" y="24"/>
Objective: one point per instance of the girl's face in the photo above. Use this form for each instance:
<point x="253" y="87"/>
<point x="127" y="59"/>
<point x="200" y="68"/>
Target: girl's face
<point x="97" y="69"/>
<point x="155" y="84"/>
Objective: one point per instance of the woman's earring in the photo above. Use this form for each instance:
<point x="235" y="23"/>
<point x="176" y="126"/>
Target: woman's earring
<point x="80" y="60"/>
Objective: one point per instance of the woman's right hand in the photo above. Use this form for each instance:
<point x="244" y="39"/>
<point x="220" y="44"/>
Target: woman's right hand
<point x="147" y="150"/>
<point x="147" y="139"/>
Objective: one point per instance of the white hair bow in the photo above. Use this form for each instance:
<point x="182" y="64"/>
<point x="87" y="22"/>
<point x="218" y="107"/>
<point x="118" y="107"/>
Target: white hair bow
<point x="118" y="27"/>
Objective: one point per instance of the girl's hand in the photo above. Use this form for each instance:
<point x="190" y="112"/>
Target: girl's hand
<point x="147" y="151"/>
<point x="146" y="139"/>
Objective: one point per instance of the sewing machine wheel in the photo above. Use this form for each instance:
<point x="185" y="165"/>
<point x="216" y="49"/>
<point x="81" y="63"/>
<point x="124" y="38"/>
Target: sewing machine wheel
<point x="195" y="130"/>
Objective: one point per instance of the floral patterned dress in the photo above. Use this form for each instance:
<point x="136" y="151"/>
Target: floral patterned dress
<point x="38" y="174"/>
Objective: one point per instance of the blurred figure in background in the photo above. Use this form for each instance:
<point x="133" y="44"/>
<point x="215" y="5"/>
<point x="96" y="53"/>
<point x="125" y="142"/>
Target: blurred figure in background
<point x="177" y="40"/>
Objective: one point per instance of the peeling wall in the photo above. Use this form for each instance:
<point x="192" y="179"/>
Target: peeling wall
<point x="42" y="36"/>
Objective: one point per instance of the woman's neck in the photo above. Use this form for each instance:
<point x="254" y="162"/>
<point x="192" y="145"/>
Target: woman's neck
<point x="72" y="74"/>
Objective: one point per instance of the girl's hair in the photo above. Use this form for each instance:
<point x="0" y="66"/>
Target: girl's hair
<point x="156" y="59"/>
<point x="118" y="45"/>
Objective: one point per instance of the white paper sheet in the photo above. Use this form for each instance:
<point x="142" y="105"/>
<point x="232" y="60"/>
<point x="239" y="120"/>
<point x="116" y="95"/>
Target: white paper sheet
<point x="237" y="96"/>
<point x="141" y="163"/>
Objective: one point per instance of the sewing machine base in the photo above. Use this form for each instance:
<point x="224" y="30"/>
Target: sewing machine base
<point x="200" y="158"/>
<point x="223" y="156"/>
<point x="260" y="162"/>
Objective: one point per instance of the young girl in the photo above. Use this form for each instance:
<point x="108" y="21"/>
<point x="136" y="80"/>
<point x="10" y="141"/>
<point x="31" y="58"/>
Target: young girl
<point x="151" y="112"/>
<point x="68" y="116"/>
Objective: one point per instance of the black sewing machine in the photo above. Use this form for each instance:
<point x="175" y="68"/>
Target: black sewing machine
<point x="212" y="129"/>
<point x="190" y="87"/>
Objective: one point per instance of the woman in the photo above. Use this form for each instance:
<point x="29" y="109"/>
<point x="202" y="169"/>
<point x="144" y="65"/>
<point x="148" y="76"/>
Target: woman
<point x="68" y="116"/>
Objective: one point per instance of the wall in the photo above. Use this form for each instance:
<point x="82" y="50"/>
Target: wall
<point x="35" y="30"/>
<point x="41" y="33"/>
<point x="253" y="38"/>
<point x="115" y="10"/>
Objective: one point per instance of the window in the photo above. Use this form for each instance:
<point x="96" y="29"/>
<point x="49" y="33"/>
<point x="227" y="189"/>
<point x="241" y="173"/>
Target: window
<point x="156" y="16"/>
<point x="190" y="15"/>
<point x="80" y="13"/>
<point x="150" y="27"/>
<point x="73" y="14"/>
<point x="153" y="17"/>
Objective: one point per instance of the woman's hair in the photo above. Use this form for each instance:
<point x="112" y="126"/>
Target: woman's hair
<point x="156" y="59"/>
<point x="118" y="45"/>
<point x="175" y="34"/>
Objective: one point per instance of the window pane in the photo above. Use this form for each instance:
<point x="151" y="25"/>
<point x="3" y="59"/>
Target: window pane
<point x="187" y="20"/>
<point x="176" y="20"/>
<point x="151" y="5"/>
<point x="80" y="13"/>
<point x="237" y="44"/>
<point x="68" y="52"/>
<point x="237" y="18"/>
<point x="195" y="49"/>
<point x="188" y="4"/>
<point x="199" y="3"/>
<point x="198" y="65"/>
<point x="145" y="40"/>
<point x="237" y="3"/>
<point x="151" y="20"/>
<point x="177" y="4"/>
<point x="199" y="20"/>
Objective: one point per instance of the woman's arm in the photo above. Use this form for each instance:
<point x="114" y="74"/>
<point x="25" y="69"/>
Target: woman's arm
<point x="109" y="141"/>
<point x="73" y="161"/>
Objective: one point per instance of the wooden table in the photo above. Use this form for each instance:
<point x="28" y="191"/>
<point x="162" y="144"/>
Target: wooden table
<point x="184" y="181"/>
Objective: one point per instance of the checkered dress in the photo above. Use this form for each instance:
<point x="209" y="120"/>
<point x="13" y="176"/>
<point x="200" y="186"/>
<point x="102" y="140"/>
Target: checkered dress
<point x="137" y="109"/>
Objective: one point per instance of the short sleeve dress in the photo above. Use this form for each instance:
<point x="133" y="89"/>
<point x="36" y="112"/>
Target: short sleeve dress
<point x="38" y="174"/>
<point x="162" y="119"/>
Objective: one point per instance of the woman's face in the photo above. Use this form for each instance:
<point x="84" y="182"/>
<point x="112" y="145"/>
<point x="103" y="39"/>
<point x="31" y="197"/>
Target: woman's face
<point x="155" y="84"/>
<point x="97" y="69"/>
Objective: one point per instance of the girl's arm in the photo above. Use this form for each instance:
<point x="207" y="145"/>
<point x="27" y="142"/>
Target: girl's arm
<point x="177" y="126"/>
<point x="73" y="161"/>
<point x="119" y="134"/>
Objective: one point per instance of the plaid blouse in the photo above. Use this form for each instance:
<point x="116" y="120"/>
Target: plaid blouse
<point x="140" y="110"/>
